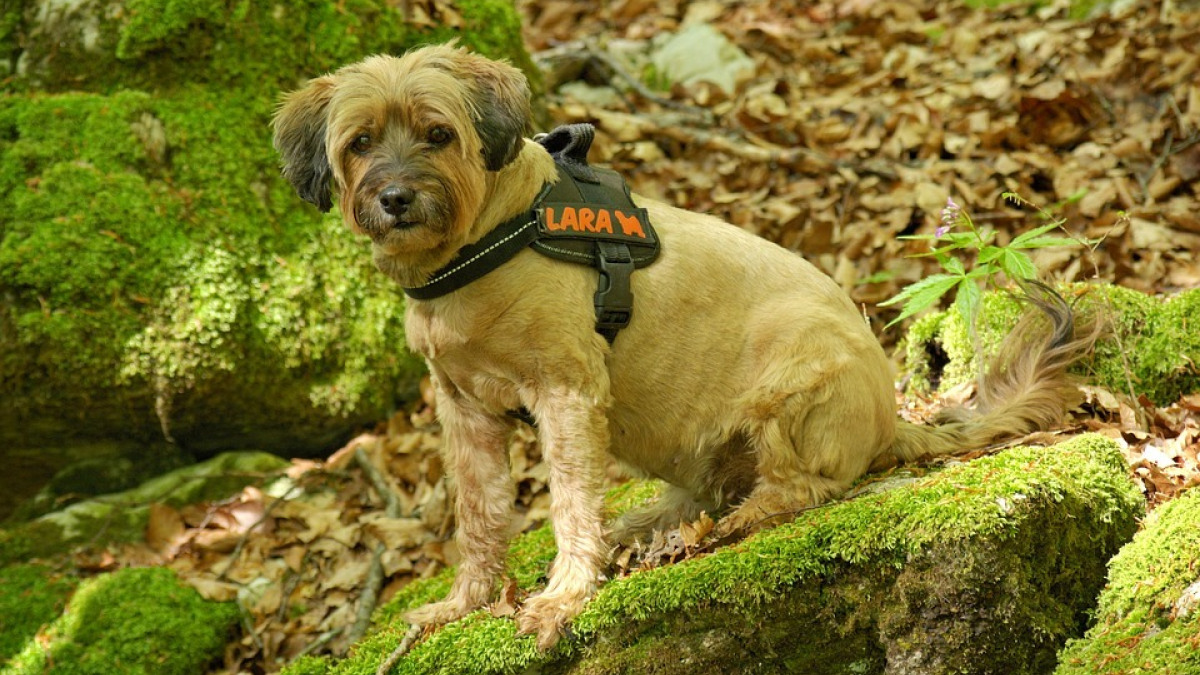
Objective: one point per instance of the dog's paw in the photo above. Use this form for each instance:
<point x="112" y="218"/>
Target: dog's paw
<point x="628" y="533"/>
<point x="547" y="616"/>
<point x="744" y="522"/>
<point x="761" y="511"/>
<point x="438" y="613"/>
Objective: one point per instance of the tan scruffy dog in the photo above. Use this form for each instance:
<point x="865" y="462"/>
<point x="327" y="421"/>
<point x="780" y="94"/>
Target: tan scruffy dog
<point x="747" y="380"/>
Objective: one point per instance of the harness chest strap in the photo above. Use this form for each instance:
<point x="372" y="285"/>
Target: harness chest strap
<point x="588" y="217"/>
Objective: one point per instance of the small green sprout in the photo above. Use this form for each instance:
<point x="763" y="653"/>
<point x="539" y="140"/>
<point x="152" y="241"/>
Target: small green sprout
<point x="958" y="232"/>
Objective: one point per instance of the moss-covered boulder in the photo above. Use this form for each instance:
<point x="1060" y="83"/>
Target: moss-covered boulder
<point x="985" y="567"/>
<point x="158" y="279"/>
<point x="123" y="516"/>
<point x="1152" y="344"/>
<point x="133" y="622"/>
<point x="31" y="596"/>
<point x="1149" y="615"/>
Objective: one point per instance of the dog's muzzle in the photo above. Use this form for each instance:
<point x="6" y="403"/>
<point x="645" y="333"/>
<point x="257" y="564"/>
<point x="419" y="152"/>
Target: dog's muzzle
<point x="395" y="201"/>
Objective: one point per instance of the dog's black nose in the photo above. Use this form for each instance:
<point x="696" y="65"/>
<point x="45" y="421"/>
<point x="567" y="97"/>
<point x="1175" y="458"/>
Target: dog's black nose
<point x="395" y="200"/>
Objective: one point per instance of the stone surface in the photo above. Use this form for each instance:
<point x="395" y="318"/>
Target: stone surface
<point x="1147" y="621"/>
<point x="985" y="567"/>
<point x="159" y="281"/>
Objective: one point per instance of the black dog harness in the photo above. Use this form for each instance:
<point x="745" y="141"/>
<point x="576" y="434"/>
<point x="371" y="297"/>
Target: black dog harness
<point x="588" y="217"/>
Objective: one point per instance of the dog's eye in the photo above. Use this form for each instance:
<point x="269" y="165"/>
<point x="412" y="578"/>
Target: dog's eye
<point x="361" y="143"/>
<point x="440" y="136"/>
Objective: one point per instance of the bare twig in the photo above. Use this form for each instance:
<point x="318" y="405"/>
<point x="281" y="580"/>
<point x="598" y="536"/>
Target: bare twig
<point x="237" y="550"/>
<point x="320" y="642"/>
<point x="380" y="482"/>
<point x="370" y="591"/>
<point x="369" y="596"/>
<point x="406" y="644"/>
<point x="594" y="52"/>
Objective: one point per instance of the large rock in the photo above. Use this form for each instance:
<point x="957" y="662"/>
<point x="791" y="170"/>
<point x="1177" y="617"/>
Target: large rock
<point x="1149" y="615"/>
<point x="133" y="622"/>
<point x="985" y="567"/>
<point x="121" y="517"/>
<point x="158" y="279"/>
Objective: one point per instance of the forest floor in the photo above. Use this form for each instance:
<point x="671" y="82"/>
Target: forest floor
<point x="848" y="125"/>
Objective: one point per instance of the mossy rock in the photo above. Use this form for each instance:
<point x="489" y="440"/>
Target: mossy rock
<point x="1148" y="620"/>
<point x="31" y="596"/>
<point x="158" y="278"/>
<point x="123" y="516"/>
<point x="102" y="471"/>
<point x="134" y="622"/>
<point x="985" y="567"/>
<point x="1153" y="343"/>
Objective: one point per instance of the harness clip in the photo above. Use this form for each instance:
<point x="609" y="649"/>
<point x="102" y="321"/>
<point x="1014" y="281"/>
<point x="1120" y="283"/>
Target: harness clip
<point x="614" y="297"/>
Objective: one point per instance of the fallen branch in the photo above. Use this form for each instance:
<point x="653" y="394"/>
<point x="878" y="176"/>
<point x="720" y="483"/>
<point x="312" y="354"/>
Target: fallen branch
<point x="374" y="583"/>
<point x="406" y="644"/>
<point x="391" y="503"/>
<point x="369" y="597"/>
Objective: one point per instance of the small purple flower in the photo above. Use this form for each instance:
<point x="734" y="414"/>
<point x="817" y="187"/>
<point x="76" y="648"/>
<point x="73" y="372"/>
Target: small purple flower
<point x="950" y="216"/>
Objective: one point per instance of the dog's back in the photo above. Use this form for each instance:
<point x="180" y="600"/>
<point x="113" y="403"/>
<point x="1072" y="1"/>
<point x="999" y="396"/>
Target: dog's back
<point x="730" y="332"/>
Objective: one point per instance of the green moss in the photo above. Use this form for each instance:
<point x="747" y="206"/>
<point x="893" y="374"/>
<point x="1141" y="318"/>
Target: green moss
<point x="837" y="571"/>
<point x="1153" y="342"/>
<point x="309" y="665"/>
<point x="134" y="621"/>
<point x="149" y="248"/>
<point x="1147" y="621"/>
<point x="152" y="24"/>
<point x="31" y="596"/>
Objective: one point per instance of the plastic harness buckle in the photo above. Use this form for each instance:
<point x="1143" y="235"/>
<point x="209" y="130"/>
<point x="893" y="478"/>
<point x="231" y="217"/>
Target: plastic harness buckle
<point x="614" y="298"/>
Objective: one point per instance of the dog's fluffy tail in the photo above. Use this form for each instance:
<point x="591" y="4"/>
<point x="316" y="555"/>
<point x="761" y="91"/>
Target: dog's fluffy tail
<point x="1026" y="387"/>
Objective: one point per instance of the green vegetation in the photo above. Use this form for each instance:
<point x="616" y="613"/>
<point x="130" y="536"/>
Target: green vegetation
<point x="851" y="582"/>
<point x="1150" y="345"/>
<point x="134" y="622"/>
<point x="958" y="234"/>
<point x="1148" y="620"/>
<point x="31" y="596"/>
<point x="158" y="272"/>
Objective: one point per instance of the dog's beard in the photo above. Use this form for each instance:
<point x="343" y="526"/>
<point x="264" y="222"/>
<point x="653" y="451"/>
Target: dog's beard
<point x="424" y="223"/>
<point x="411" y="246"/>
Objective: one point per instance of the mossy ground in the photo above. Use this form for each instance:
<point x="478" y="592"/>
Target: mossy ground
<point x="150" y="254"/>
<point x="842" y="574"/>
<point x="1152" y="344"/>
<point x="31" y="596"/>
<point x="134" y="622"/>
<point x="1148" y="620"/>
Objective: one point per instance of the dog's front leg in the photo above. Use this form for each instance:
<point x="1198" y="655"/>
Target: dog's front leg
<point x="477" y="455"/>
<point x="573" y="430"/>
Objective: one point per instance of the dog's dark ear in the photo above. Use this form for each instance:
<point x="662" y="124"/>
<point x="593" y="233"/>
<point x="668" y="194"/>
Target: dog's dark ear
<point x="300" y="139"/>
<point x="503" y="117"/>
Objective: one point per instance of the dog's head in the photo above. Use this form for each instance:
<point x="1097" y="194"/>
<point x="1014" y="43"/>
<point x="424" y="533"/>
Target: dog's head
<point x="409" y="144"/>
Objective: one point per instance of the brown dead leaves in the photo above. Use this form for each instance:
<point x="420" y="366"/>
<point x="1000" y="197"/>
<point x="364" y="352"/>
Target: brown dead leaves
<point x="854" y="130"/>
<point x="1161" y="445"/>
<point x="296" y="555"/>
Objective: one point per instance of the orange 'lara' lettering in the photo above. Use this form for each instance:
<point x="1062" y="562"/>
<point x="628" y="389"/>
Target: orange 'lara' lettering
<point x="570" y="220"/>
<point x="603" y="221"/>
<point x="587" y="219"/>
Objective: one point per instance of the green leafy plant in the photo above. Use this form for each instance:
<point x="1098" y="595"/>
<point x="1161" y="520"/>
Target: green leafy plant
<point x="959" y="234"/>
